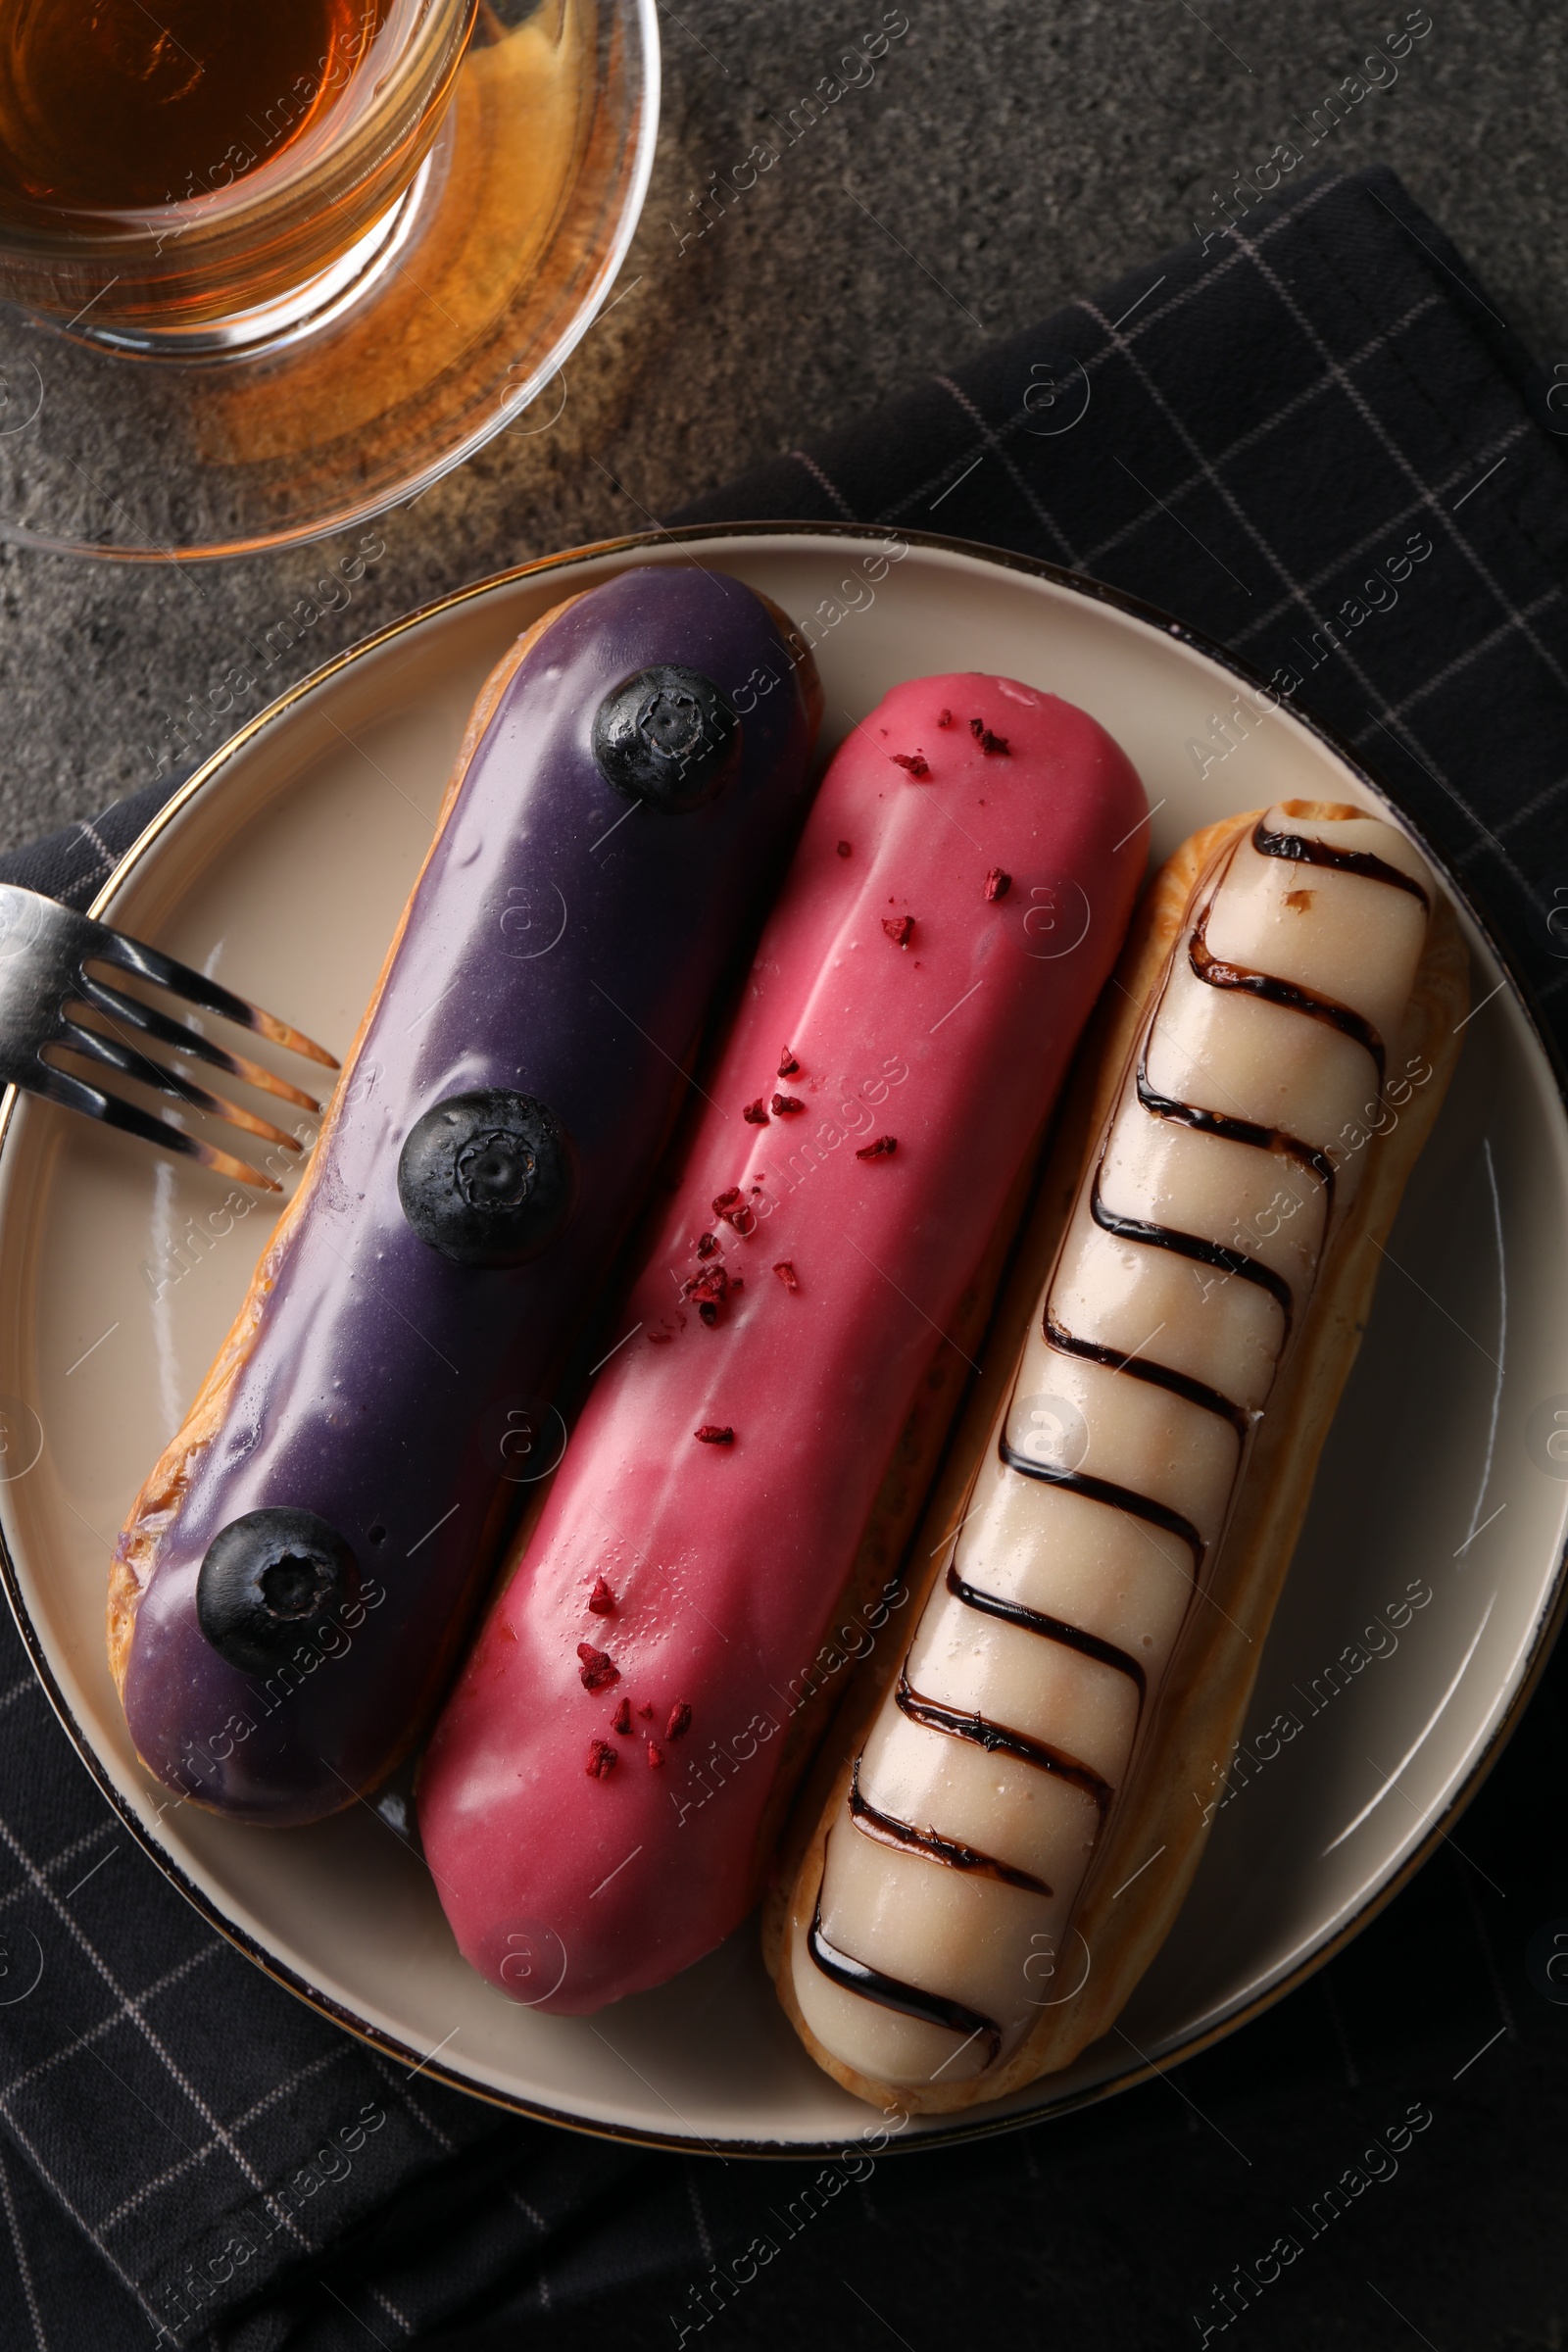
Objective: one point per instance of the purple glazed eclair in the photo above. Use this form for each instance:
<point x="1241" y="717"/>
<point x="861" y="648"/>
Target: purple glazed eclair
<point x="289" y="1591"/>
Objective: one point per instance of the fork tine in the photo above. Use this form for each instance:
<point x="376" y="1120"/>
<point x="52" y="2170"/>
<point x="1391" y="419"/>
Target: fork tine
<point x="120" y="1007"/>
<point x="74" y="1094"/>
<point x="133" y="1065"/>
<point x="131" y="956"/>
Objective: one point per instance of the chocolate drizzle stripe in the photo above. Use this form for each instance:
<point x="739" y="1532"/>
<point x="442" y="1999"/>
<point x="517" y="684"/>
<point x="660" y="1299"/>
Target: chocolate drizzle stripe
<point x="1193" y="1246"/>
<point x="888" y="1993"/>
<point x="1237" y="1131"/>
<point x="1117" y="1498"/>
<point x="1290" y="994"/>
<point x="888" y="1829"/>
<point x="1304" y="851"/>
<point x="1159" y="1376"/>
<point x="996" y="1739"/>
<point x="1050" y="1629"/>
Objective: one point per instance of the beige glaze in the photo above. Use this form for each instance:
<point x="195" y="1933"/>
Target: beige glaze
<point x="957" y="1867"/>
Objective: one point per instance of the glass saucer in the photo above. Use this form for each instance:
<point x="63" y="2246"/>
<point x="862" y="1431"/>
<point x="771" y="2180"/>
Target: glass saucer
<point x="499" y="265"/>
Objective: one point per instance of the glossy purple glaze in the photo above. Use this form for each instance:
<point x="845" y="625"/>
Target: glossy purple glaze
<point x="379" y="1384"/>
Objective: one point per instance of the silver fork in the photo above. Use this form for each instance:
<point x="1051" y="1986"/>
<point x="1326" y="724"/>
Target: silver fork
<point x="45" y="949"/>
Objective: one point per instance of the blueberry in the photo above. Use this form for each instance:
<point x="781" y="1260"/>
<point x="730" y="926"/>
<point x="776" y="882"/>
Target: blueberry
<point x="268" y="1581"/>
<point x="667" y="737"/>
<point x="489" y="1179"/>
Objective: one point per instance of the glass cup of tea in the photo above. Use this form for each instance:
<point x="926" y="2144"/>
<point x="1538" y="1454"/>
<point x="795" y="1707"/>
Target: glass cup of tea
<point x="206" y="179"/>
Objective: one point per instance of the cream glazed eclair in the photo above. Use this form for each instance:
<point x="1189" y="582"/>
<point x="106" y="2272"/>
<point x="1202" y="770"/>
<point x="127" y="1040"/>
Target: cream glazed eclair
<point x="1111" y="1536"/>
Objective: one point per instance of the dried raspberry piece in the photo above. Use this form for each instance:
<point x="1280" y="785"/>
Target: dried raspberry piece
<point x="680" y="1720"/>
<point x="598" y="1669"/>
<point x="787" y="1274"/>
<point x="715" y="1432"/>
<point x="997" y="884"/>
<point x="602" y="1600"/>
<point x="623" y="1718"/>
<point x="602" y="1760"/>
<point x="788" y="1066"/>
<point x="647" y="1714"/>
<point x="900" y="928"/>
<point x="786" y="1105"/>
<point x="754" y="1115"/>
<point x="706" y="1243"/>
<point x="844" y="848"/>
<point x="883" y="1149"/>
<point x="914" y="763"/>
<point x="944" y="718"/>
<point x="994" y="746"/>
<point x="656" y="1755"/>
<point x="710" y="1283"/>
<point x="708" y="1305"/>
<point x="732" y="1207"/>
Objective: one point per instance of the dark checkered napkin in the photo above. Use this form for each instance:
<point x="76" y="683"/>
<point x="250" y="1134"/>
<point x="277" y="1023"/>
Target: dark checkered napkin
<point x="199" y="2127"/>
<point x="1313" y="439"/>
<point x="74" y="864"/>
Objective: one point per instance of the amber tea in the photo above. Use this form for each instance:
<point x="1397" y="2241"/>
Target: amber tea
<point x="119" y="107"/>
<point x="165" y="165"/>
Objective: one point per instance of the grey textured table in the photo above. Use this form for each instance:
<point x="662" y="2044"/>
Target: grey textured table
<point x="1013" y="156"/>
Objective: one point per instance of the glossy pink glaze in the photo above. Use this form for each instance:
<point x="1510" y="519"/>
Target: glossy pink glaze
<point x="726" y="1561"/>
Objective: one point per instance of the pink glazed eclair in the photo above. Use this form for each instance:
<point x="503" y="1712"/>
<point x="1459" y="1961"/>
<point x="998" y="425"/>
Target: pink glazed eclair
<point x="602" y="1792"/>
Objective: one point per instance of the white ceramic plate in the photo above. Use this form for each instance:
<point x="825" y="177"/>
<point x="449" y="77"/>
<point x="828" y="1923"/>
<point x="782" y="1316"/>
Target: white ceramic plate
<point x="281" y="869"/>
